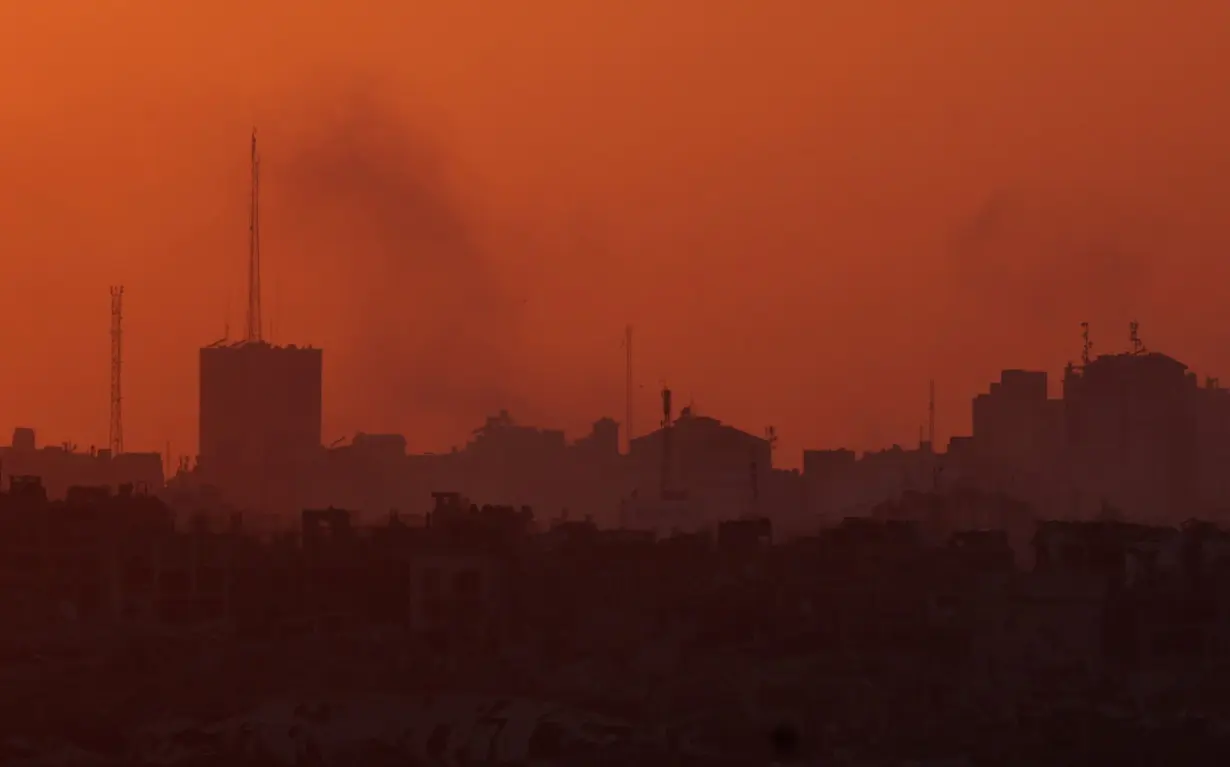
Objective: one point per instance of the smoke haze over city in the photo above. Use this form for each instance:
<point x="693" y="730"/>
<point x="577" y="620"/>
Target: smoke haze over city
<point x="807" y="210"/>
<point x="615" y="382"/>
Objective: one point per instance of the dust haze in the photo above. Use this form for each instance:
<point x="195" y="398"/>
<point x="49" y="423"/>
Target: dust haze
<point x="1034" y="263"/>
<point x="875" y="205"/>
<point x="1014" y="277"/>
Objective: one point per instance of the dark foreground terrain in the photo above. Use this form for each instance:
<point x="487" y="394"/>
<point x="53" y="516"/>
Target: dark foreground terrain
<point x="363" y="698"/>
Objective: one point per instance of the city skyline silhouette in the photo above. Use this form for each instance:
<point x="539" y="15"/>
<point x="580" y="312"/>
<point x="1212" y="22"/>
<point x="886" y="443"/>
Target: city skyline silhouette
<point x="627" y="383"/>
<point x="839" y="227"/>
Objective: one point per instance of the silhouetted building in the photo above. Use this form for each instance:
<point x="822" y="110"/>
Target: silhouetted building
<point x="602" y="442"/>
<point x="718" y="467"/>
<point x="60" y="467"/>
<point x="23" y="438"/>
<point x="260" y="420"/>
<point x="1213" y="449"/>
<point x="828" y="481"/>
<point x="86" y="556"/>
<point x="1131" y="428"/>
<point x="504" y="459"/>
<point x="838" y="484"/>
<point x="1017" y="445"/>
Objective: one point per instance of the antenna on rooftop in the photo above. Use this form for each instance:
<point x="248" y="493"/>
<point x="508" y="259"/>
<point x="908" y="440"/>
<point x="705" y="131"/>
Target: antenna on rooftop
<point x="1087" y="345"/>
<point x="1138" y="346"/>
<point x="254" y="251"/>
<point x="770" y="436"/>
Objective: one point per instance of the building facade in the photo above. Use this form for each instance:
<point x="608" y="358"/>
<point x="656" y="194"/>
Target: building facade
<point x="260" y="420"/>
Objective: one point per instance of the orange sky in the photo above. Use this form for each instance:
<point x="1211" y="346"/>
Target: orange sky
<point x="806" y="208"/>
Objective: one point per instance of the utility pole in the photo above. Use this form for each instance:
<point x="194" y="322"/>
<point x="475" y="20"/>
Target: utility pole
<point x="117" y="358"/>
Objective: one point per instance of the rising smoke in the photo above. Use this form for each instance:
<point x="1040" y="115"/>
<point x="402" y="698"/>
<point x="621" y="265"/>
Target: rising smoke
<point x="428" y="314"/>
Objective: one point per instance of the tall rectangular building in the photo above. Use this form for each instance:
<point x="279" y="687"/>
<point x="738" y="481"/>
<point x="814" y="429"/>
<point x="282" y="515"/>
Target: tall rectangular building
<point x="260" y="407"/>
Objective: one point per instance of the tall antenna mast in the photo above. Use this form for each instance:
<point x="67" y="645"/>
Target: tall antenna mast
<point x="628" y="386"/>
<point x="1087" y="345"/>
<point x="254" y="250"/>
<point x="117" y="333"/>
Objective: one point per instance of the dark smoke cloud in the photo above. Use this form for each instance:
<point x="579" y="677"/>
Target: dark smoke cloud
<point x="1041" y="252"/>
<point x="429" y="318"/>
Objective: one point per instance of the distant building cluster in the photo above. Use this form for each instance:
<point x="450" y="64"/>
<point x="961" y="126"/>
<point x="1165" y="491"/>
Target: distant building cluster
<point x="465" y="573"/>
<point x="1001" y="599"/>
<point x="1133" y="436"/>
<point x="62" y="466"/>
<point x="485" y="581"/>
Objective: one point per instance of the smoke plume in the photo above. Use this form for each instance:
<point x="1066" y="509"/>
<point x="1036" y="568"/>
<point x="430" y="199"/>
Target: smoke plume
<point x="428" y="318"/>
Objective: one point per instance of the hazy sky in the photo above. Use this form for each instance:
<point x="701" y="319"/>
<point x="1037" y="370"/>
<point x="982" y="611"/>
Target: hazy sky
<point x="807" y="208"/>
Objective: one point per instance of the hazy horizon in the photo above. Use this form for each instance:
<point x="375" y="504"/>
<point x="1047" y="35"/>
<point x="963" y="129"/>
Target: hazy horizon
<point x="806" y="210"/>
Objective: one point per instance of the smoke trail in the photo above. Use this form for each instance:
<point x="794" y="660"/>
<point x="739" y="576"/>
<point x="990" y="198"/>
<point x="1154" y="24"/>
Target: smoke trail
<point x="429" y="322"/>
